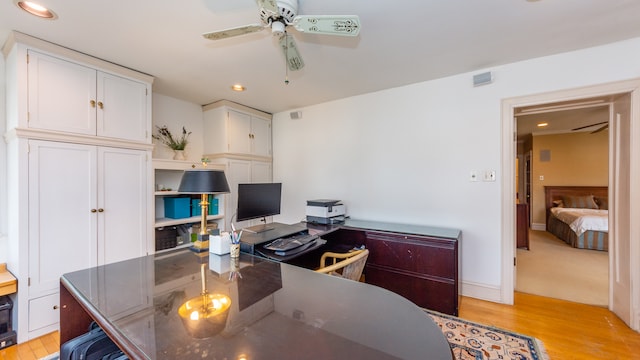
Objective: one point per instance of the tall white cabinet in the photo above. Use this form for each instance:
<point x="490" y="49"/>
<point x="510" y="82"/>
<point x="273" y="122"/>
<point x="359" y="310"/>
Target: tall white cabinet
<point x="238" y="137"/>
<point x="79" y="169"/>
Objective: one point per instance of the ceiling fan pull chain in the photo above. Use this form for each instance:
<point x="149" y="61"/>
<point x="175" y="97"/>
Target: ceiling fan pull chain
<point x="286" y="60"/>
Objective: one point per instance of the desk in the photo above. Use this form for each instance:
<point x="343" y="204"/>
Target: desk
<point x="418" y="262"/>
<point x="278" y="311"/>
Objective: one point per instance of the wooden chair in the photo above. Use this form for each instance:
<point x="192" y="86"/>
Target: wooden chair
<point x="350" y="266"/>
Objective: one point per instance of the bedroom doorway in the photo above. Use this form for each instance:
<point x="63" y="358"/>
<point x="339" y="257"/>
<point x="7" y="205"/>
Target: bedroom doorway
<point x="563" y="144"/>
<point x="624" y="199"/>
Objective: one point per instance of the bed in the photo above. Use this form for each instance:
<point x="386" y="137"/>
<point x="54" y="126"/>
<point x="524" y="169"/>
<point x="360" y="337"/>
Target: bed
<point x="578" y="215"/>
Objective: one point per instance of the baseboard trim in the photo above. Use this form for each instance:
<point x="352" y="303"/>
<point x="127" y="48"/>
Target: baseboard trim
<point x="539" y="227"/>
<point x="482" y="291"/>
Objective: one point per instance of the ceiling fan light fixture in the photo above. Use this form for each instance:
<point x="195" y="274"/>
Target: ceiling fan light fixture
<point x="36" y="10"/>
<point x="277" y="28"/>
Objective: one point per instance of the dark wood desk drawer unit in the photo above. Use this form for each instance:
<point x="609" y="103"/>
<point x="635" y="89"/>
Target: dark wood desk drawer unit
<point x="423" y="269"/>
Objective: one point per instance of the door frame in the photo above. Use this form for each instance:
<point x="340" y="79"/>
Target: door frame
<point x="508" y="152"/>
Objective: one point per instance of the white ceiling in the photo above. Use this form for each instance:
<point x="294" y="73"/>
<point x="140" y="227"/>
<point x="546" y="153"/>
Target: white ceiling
<point x="401" y="42"/>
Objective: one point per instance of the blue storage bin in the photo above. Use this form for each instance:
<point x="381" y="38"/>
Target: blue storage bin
<point x="213" y="206"/>
<point x="177" y="207"/>
<point x="196" y="210"/>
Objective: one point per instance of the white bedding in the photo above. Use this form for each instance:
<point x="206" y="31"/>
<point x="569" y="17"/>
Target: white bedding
<point x="581" y="220"/>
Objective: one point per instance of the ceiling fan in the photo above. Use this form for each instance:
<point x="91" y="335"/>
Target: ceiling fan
<point x="279" y="15"/>
<point x="604" y="123"/>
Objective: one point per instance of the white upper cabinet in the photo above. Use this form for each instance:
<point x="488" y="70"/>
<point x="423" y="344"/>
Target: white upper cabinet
<point x="72" y="98"/>
<point x="233" y="130"/>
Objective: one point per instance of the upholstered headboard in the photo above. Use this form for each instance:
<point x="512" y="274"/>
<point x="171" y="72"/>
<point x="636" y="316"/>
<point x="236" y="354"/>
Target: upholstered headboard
<point x="554" y="193"/>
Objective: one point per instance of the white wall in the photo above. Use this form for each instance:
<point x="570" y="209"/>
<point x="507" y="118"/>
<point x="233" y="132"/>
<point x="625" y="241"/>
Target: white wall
<point x="175" y="114"/>
<point x="3" y="168"/>
<point x="404" y="155"/>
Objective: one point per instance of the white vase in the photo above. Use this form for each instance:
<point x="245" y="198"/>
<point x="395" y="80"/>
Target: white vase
<point x="178" y="155"/>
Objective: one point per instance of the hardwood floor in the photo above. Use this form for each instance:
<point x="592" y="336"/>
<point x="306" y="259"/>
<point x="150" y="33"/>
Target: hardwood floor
<point x="568" y="330"/>
<point x="34" y="349"/>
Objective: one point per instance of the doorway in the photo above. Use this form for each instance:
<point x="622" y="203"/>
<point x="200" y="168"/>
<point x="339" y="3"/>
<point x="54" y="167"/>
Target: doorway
<point x="624" y="235"/>
<point x="561" y="144"/>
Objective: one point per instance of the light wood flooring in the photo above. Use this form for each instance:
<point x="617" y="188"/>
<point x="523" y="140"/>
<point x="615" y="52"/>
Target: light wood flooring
<point x="34" y="349"/>
<point x="568" y="330"/>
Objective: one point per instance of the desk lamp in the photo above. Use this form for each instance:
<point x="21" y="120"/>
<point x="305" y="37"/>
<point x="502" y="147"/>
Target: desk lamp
<point x="203" y="182"/>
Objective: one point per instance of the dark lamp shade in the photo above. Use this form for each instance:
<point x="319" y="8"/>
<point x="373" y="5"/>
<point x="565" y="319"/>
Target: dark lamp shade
<point x="203" y="181"/>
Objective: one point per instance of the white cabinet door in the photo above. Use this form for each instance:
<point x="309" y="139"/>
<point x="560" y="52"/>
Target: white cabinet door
<point x="44" y="311"/>
<point x="122" y="108"/>
<point x="238" y="171"/>
<point x="87" y="207"/>
<point x="261" y="172"/>
<point x="239" y="137"/>
<point x="260" y="136"/>
<point x="122" y="204"/>
<point x="237" y="133"/>
<point x="72" y="98"/>
<point x="60" y="95"/>
<point x="243" y="172"/>
<point x="62" y="226"/>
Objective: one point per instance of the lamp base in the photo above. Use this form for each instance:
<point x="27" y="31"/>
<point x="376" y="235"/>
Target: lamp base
<point x="201" y="244"/>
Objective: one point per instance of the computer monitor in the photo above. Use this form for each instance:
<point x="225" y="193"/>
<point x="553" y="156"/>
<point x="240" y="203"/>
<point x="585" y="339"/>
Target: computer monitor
<point x="258" y="200"/>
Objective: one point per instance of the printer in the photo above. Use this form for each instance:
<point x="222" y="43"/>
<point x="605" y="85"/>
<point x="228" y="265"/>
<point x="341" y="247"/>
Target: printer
<point x="324" y="211"/>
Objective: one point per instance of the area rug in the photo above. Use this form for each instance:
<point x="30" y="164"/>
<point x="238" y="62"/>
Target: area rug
<point x="473" y="341"/>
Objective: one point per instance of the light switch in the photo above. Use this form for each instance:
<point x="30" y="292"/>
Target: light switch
<point x="541" y="177"/>
<point x="490" y="175"/>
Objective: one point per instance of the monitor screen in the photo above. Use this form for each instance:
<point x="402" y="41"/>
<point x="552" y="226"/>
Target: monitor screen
<point x="258" y="200"/>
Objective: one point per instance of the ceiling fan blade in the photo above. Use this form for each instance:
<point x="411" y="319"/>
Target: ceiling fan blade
<point x="291" y="54"/>
<point x="237" y="31"/>
<point x="600" y="129"/>
<point x="344" y="25"/>
<point x="268" y="5"/>
<point x="588" y="126"/>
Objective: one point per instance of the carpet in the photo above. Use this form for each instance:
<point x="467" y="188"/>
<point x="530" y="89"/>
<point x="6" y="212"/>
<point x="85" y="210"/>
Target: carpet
<point x="554" y="269"/>
<point x="473" y="341"/>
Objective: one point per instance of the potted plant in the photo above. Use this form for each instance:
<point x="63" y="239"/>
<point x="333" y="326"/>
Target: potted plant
<point x="177" y="144"/>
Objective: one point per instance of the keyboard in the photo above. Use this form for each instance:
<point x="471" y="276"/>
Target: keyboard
<point x="290" y="242"/>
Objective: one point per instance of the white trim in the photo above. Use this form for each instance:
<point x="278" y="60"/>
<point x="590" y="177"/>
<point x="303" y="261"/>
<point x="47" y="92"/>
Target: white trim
<point x="539" y="226"/>
<point x="508" y="206"/>
<point x="481" y="291"/>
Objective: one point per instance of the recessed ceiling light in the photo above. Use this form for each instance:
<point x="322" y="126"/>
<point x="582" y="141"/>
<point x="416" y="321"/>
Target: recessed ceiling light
<point x="36" y="9"/>
<point x="542" y="124"/>
<point x="238" y="87"/>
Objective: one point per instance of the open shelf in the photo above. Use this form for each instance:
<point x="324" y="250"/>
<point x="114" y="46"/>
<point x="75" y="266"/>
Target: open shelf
<point x="160" y="222"/>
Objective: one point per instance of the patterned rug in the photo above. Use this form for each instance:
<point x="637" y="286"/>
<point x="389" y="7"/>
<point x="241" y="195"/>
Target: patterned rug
<point x="472" y="341"/>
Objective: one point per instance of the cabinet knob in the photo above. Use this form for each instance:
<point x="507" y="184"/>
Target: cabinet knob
<point x="100" y="105"/>
<point x="55" y="307"/>
<point x="94" y="210"/>
<point x="93" y="103"/>
<point x="101" y="210"/>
